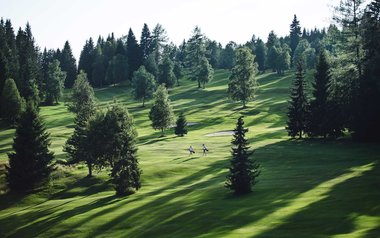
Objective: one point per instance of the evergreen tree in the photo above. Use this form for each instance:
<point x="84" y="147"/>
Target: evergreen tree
<point x="121" y="150"/>
<point x="299" y="53"/>
<point x="295" y="35"/>
<point x="205" y="72"/>
<point x="47" y="57"/>
<point x="28" y="60"/>
<point x="366" y="115"/>
<point x="134" y="54"/>
<point x="151" y="65"/>
<point x="54" y="85"/>
<point x="166" y="75"/>
<point x="282" y="58"/>
<point x="181" y="125"/>
<point x="68" y="65"/>
<point x="145" y="42"/>
<point x="86" y="59"/>
<point x="12" y="104"/>
<point x="178" y="71"/>
<point x="82" y="99"/>
<point x="159" y="39"/>
<point x="261" y="54"/>
<point x="143" y="84"/>
<point x="161" y="113"/>
<point x="242" y="80"/>
<point x="298" y="106"/>
<point x="319" y="117"/>
<point x="227" y="56"/>
<point x="117" y="70"/>
<point x="98" y="68"/>
<point x="30" y="163"/>
<point x="243" y="170"/>
<point x="195" y="51"/>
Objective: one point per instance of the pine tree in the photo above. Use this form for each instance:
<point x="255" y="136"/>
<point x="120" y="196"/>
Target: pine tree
<point x="30" y="163"/>
<point x="319" y="117"/>
<point x="166" y="75"/>
<point x="243" y="170"/>
<point x="12" y="104"/>
<point x="161" y="113"/>
<point x="68" y="65"/>
<point x="98" y="68"/>
<point x="86" y="59"/>
<point x="295" y="35"/>
<point x="242" y="80"/>
<point x="261" y="54"/>
<point x="134" y="54"/>
<point x="145" y="42"/>
<point x="143" y="84"/>
<point x="159" y="39"/>
<point x="82" y="99"/>
<point x="181" y="125"/>
<point x="298" y="106"/>
<point x="55" y="83"/>
<point x="122" y="151"/>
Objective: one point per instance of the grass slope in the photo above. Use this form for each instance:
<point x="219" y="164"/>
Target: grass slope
<point x="307" y="188"/>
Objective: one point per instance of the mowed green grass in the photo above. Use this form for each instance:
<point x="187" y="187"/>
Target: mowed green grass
<point x="308" y="188"/>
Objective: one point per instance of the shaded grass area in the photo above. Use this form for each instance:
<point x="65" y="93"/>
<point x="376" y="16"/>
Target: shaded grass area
<point x="309" y="188"/>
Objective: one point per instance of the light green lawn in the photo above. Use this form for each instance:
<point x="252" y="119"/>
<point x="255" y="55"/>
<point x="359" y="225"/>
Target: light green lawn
<point x="307" y="188"/>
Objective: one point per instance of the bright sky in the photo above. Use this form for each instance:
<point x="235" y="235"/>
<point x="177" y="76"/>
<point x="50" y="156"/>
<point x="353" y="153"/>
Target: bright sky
<point x="55" y="21"/>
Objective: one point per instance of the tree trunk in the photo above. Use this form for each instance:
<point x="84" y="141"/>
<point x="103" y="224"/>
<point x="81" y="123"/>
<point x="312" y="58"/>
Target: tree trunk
<point x="143" y="102"/>
<point x="300" y="137"/>
<point x="89" y="165"/>
<point x="199" y="84"/>
<point x="162" y="132"/>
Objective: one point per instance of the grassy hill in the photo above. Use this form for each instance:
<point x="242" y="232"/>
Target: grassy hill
<point x="308" y="188"/>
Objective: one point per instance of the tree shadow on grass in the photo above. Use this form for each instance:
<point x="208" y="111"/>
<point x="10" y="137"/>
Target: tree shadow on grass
<point x="198" y="204"/>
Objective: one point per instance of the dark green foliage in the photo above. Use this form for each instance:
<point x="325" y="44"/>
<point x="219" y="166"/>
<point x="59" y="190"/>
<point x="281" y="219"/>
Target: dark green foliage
<point x="86" y="59"/>
<point x="82" y="99"/>
<point x="298" y="106"/>
<point x="365" y="125"/>
<point x="261" y="54"/>
<point x="151" y="65"/>
<point x="159" y="38"/>
<point x="143" y="84"/>
<point x="181" y="125"/>
<point x="178" y="71"/>
<point x="12" y="104"/>
<point x="319" y="113"/>
<point x="29" y="164"/>
<point x="68" y="65"/>
<point x="166" y="75"/>
<point x="295" y="35"/>
<point x="243" y="171"/>
<point x="126" y="172"/>
<point x="227" y="56"/>
<point x="145" y="42"/>
<point x="117" y="69"/>
<point x="28" y="60"/>
<point x="77" y="146"/>
<point x="55" y="82"/>
<point x="161" y="113"/>
<point x="98" y="68"/>
<point x="134" y="54"/>
<point x="242" y="80"/>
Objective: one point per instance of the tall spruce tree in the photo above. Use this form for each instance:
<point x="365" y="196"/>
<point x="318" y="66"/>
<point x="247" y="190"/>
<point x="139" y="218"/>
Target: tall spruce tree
<point x="12" y="104"/>
<point x="121" y="150"/>
<point x="243" y="171"/>
<point x="30" y="163"/>
<point x="161" y="113"/>
<point x="295" y="35"/>
<point x="68" y="65"/>
<point x="298" y="113"/>
<point x="242" y="80"/>
<point x="134" y="54"/>
<point x="145" y="42"/>
<point x="55" y="83"/>
<point x="86" y="59"/>
<point x="181" y="125"/>
<point x="319" y="113"/>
